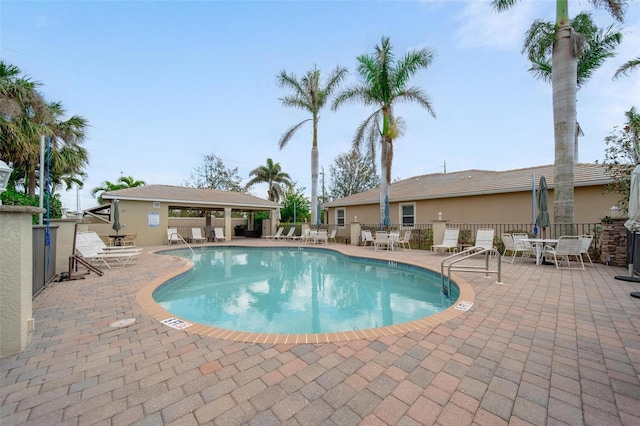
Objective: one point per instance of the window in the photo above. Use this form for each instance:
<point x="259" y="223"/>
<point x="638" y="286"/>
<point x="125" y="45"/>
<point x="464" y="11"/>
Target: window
<point x="340" y="215"/>
<point x="408" y="214"/>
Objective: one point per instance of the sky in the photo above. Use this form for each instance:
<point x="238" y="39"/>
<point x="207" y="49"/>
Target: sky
<point x="164" y="83"/>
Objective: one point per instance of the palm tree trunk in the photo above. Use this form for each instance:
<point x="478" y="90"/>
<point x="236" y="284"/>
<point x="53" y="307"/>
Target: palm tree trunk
<point x="563" y="80"/>
<point x="385" y="173"/>
<point x="314" y="175"/>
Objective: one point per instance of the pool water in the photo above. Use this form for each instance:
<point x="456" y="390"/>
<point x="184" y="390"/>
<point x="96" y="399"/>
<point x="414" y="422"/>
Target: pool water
<point x="299" y="291"/>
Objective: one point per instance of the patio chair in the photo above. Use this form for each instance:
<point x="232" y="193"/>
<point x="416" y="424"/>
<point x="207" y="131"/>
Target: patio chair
<point x="196" y="236"/>
<point x="289" y="234"/>
<point x="323" y="236"/>
<point x="129" y="240"/>
<point x="173" y="236"/>
<point x="304" y="237"/>
<point x="332" y="236"/>
<point x="484" y="240"/>
<point x="107" y="240"/>
<point x="277" y="235"/>
<point x="449" y="243"/>
<point x="367" y="238"/>
<point x="519" y="239"/>
<point x="381" y="240"/>
<point x="586" y="244"/>
<point x="93" y="241"/>
<point x="111" y="259"/>
<point x="404" y="241"/>
<point x="511" y="247"/>
<point x="218" y="234"/>
<point x="567" y="246"/>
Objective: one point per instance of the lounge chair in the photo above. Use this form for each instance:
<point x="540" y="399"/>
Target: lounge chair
<point x="218" y="234"/>
<point x="173" y="236"/>
<point x="289" y="234"/>
<point x="304" y="237"/>
<point x="111" y="258"/>
<point x="586" y="244"/>
<point x="484" y="240"/>
<point x="449" y="243"/>
<point x="367" y="238"/>
<point x="404" y="241"/>
<point x="332" y="236"/>
<point x="277" y="235"/>
<point x="196" y="236"/>
<point x="567" y="246"/>
<point x="94" y="242"/>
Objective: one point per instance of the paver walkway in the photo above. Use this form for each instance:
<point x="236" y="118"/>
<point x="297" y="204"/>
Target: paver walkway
<point x="547" y="347"/>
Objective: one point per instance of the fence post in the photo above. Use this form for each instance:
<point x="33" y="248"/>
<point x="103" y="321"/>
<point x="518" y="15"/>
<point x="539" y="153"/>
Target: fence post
<point x="16" y="279"/>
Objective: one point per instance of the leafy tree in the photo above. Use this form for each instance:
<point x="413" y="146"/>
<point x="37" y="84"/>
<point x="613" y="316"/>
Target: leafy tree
<point x="24" y="117"/>
<point x="309" y="95"/>
<point x="273" y="176"/>
<point x="352" y="173"/>
<point x="622" y="155"/>
<point x="294" y="201"/>
<point x="384" y="84"/>
<point x="627" y="67"/>
<point x="123" y="182"/>
<point x="565" y="56"/>
<point x="214" y="175"/>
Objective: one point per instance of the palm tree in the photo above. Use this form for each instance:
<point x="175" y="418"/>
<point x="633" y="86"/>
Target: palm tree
<point x="385" y="83"/>
<point x="598" y="45"/>
<point x="627" y="67"/>
<point x="563" y="83"/>
<point x="123" y="182"/>
<point x="272" y="175"/>
<point x="311" y="96"/>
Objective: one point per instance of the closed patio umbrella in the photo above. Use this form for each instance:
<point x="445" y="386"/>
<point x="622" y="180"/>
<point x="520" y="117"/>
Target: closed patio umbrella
<point x="633" y="224"/>
<point x="542" y="199"/>
<point x="116" y="217"/>
<point x="319" y="214"/>
<point x="387" y="219"/>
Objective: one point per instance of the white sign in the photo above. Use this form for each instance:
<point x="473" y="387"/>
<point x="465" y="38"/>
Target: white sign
<point x="464" y="306"/>
<point x="176" y="323"/>
<point x="154" y="220"/>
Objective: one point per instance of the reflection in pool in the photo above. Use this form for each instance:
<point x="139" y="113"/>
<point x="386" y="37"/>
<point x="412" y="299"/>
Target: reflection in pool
<point x="299" y="291"/>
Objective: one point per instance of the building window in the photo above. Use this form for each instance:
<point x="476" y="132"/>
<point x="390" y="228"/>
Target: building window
<point x="340" y="215"/>
<point x="408" y="214"/>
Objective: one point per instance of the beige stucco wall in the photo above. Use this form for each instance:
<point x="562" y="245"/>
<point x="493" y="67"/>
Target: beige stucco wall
<point x="590" y="205"/>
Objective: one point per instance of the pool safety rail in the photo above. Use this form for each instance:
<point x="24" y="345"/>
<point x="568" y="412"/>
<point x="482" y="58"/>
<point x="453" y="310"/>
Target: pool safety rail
<point x="179" y="237"/>
<point x="452" y="263"/>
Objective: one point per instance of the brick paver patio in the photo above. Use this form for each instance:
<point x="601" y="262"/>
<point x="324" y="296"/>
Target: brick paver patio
<point x="547" y="347"/>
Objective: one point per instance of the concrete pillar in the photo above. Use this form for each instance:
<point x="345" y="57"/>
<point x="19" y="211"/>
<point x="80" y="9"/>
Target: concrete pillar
<point x="356" y="230"/>
<point x="227" y="224"/>
<point x="16" y="277"/>
<point x="64" y="243"/>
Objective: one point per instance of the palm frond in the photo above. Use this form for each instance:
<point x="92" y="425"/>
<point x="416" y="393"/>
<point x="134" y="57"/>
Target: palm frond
<point x="290" y="132"/>
<point x="616" y="8"/>
<point x="502" y="5"/>
<point x="627" y="67"/>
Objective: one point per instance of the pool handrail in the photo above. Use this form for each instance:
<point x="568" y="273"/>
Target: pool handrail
<point x="465" y="255"/>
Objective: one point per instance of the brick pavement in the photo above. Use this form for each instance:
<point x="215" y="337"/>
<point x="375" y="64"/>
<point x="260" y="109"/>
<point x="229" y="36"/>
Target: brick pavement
<point x="547" y="347"/>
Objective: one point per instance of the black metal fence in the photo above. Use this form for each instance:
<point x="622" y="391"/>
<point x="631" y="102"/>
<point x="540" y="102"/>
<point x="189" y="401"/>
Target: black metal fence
<point x="44" y="256"/>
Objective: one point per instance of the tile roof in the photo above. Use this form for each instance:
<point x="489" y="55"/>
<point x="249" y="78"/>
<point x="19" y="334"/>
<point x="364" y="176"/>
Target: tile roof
<point x="186" y="196"/>
<point x="473" y="182"/>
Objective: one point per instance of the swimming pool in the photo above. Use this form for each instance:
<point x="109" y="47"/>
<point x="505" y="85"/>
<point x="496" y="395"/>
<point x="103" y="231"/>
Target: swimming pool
<point x="299" y="291"/>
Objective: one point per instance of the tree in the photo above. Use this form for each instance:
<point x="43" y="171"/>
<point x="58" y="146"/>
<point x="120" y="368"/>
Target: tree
<point x="295" y="205"/>
<point x="273" y="176"/>
<point x="310" y="95"/>
<point x="214" y="175"/>
<point x="564" y="88"/>
<point x="352" y="174"/>
<point x="384" y="84"/>
<point x="622" y="155"/>
<point x="123" y="182"/>
<point x="597" y="45"/>
<point x="24" y="117"/>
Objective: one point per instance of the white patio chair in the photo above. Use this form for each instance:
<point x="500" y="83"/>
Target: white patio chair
<point x="173" y="236"/>
<point x="484" y="240"/>
<point x="288" y="235"/>
<point x="511" y="247"/>
<point x="519" y="240"/>
<point x="568" y="246"/>
<point x="367" y="238"/>
<point x="322" y="237"/>
<point x="586" y="244"/>
<point x="332" y="236"/>
<point x="196" y="235"/>
<point x="449" y="243"/>
<point x="404" y="241"/>
<point x="276" y="236"/>
<point x="381" y="240"/>
<point x="218" y="234"/>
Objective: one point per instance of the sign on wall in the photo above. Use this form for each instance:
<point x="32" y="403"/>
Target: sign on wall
<point x="153" y="220"/>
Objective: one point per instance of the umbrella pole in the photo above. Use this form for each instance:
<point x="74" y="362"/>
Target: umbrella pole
<point x="631" y="278"/>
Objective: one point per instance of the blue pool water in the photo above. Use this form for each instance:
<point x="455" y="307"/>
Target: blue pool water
<point x="299" y="291"/>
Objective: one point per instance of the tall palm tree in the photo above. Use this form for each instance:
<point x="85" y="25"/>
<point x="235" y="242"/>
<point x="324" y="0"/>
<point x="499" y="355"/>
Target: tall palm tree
<point x="564" y="88"/>
<point x="598" y="45"/>
<point x="385" y="83"/>
<point x="310" y="95"/>
<point x="273" y="176"/>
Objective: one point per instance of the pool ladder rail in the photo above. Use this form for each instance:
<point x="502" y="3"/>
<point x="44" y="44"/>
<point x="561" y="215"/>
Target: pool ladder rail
<point x="451" y="263"/>
<point x="178" y="236"/>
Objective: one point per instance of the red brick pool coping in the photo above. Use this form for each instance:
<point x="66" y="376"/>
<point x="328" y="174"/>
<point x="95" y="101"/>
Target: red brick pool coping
<point x="151" y="307"/>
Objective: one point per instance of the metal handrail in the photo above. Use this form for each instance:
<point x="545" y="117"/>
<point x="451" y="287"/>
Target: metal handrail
<point x="466" y="255"/>
<point x="182" y="239"/>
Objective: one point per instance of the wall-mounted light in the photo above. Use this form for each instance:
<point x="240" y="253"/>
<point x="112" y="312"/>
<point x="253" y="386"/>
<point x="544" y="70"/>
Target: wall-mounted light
<point x="5" y="173"/>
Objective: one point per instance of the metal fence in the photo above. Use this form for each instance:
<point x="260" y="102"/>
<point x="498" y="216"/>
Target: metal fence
<point x="44" y="257"/>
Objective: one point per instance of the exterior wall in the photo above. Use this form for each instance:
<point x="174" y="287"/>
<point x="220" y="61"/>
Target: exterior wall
<point x="590" y="205"/>
<point x="134" y="218"/>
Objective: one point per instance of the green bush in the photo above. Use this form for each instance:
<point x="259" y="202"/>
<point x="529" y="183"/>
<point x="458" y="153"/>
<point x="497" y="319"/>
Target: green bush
<point x="12" y="198"/>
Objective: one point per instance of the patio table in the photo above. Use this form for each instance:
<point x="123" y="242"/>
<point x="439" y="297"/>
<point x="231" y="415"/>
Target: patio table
<point x="539" y="244"/>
